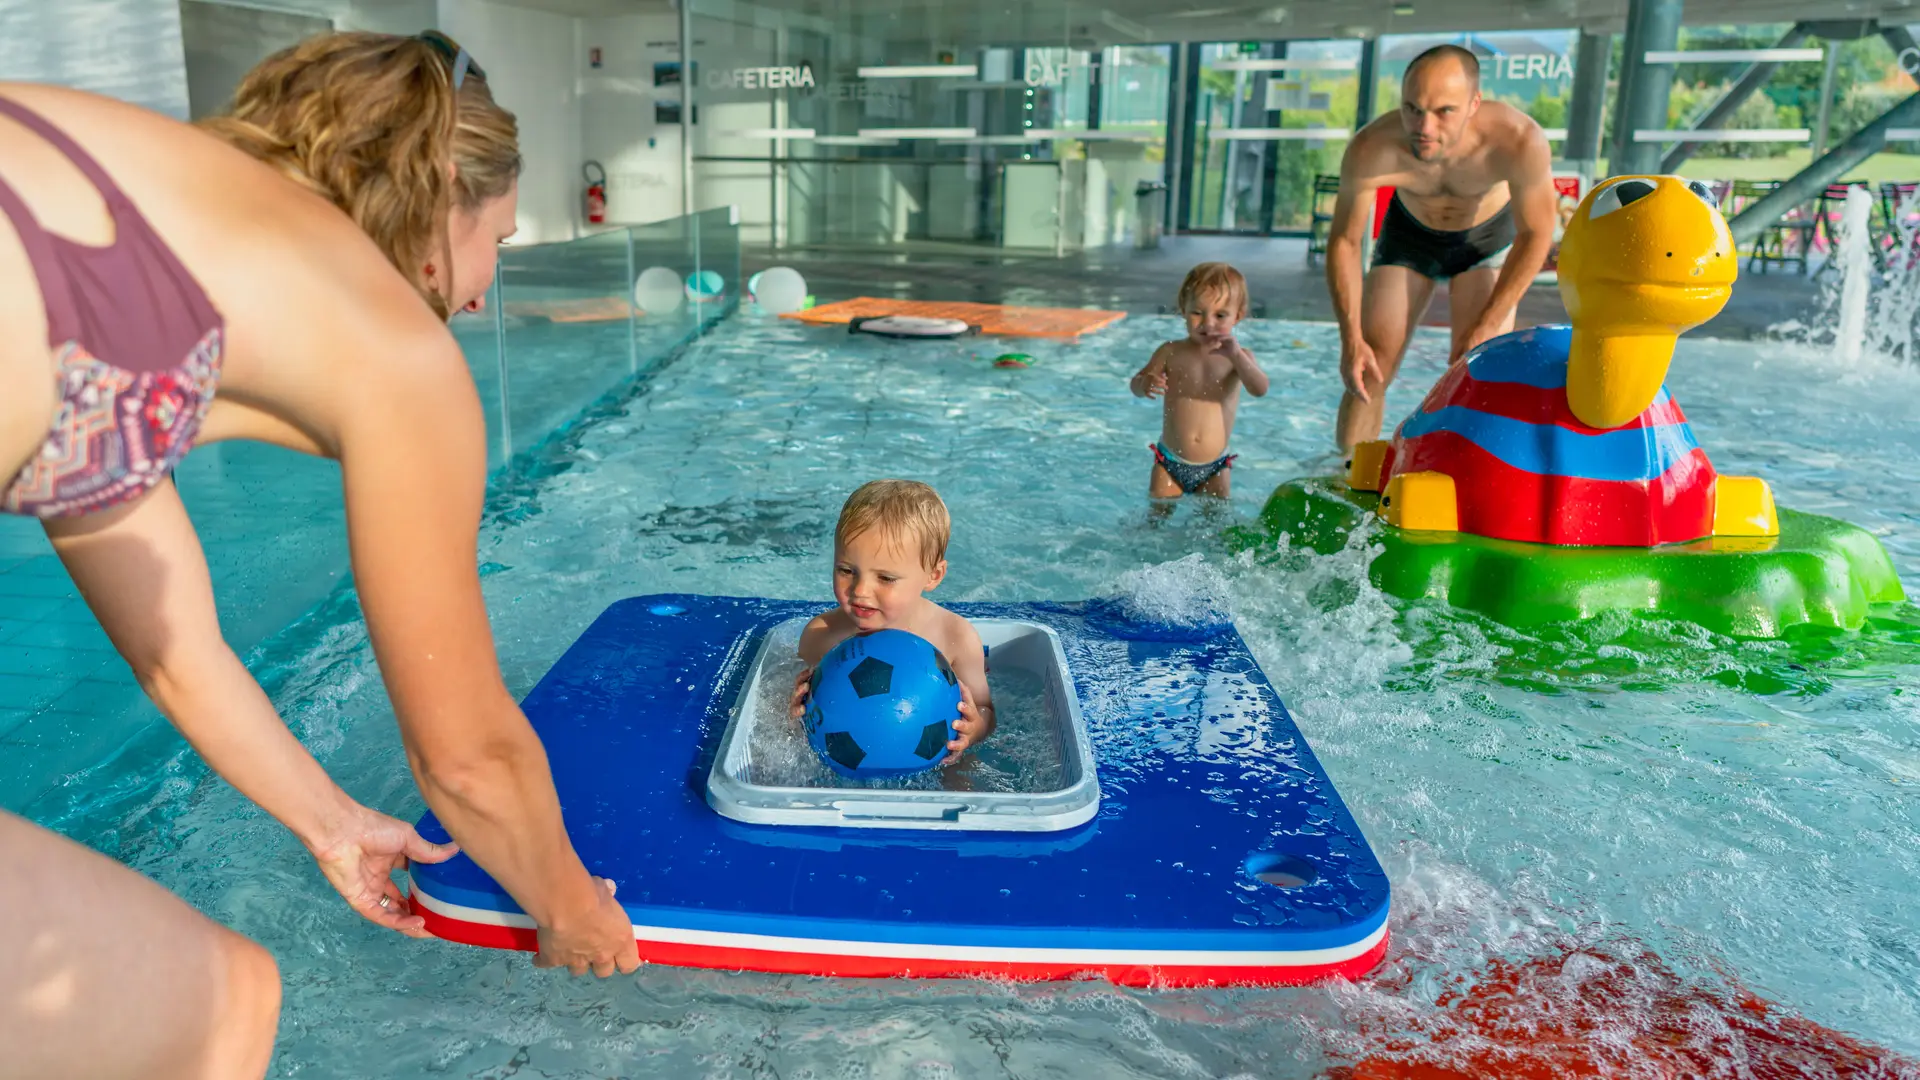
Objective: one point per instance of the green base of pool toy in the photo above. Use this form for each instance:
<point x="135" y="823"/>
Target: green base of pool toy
<point x="1819" y="572"/>
<point x="1013" y="360"/>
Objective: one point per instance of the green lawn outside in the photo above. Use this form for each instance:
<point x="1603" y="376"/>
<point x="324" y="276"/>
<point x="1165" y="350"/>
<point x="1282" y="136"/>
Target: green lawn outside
<point x="1875" y="170"/>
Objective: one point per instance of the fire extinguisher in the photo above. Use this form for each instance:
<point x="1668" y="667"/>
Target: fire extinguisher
<point x="596" y="192"/>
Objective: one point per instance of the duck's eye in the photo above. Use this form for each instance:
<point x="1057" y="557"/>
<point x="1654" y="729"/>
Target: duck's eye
<point x="1616" y="195"/>
<point x="1703" y="193"/>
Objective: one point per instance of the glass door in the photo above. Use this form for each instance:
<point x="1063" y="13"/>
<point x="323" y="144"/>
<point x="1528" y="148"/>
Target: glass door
<point x="1221" y="180"/>
<point x="1262" y="119"/>
<point x="1320" y="89"/>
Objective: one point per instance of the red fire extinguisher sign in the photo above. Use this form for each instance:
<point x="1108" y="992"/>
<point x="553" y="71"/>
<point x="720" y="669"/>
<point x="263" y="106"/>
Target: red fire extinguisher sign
<point x="596" y="177"/>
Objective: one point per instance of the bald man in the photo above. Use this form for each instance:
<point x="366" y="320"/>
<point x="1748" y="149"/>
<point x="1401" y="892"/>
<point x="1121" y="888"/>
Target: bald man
<point x="1473" y="205"/>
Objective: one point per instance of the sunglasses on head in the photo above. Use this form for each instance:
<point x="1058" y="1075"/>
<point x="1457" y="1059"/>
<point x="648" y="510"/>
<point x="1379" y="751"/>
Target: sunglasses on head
<point x="459" y="59"/>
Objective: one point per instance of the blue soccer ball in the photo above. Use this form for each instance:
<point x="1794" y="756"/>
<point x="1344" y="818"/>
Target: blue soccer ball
<point x="882" y="704"/>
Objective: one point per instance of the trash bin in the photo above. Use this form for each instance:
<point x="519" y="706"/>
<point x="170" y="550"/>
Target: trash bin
<point x="1149" y="203"/>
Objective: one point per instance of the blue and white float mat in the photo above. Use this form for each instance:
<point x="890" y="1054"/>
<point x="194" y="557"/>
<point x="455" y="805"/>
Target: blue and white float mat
<point x="1220" y="853"/>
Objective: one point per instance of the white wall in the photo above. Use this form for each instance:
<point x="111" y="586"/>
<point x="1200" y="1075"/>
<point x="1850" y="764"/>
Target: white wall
<point x="617" y="122"/>
<point x="529" y="57"/>
<point x="128" y="49"/>
<point x="642" y="156"/>
<point x="224" y="42"/>
<point x="389" y="16"/>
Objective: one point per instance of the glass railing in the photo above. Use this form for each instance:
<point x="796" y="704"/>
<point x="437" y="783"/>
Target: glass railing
<point x="561" y="330"/>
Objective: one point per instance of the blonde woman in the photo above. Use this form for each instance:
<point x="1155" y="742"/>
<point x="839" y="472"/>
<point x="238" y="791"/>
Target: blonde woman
<point x="144" y="274"/>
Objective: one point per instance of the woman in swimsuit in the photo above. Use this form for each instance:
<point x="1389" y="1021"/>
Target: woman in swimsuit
<point x="143" y="267"/>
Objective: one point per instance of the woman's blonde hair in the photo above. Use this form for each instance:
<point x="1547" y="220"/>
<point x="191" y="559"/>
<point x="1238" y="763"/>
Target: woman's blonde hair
<point x="371" y="123"/>
<point x="906" y="511"/>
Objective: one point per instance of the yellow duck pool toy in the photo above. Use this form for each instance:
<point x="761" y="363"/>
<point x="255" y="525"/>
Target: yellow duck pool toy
<point x="1550" y="476"/>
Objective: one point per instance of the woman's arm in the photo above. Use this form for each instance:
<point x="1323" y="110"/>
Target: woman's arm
<point x="413" y="459"/>
<point x="141" y="570"/>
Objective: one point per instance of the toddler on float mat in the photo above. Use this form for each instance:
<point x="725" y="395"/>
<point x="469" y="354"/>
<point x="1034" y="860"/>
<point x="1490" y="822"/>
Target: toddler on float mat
<point x="889" y="549"/>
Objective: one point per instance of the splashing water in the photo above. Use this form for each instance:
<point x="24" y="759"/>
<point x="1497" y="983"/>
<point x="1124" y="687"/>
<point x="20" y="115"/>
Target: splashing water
<point x="1187" y="592"/>
<point x="1856" y="273"/>
<point x="1866" y="317"/>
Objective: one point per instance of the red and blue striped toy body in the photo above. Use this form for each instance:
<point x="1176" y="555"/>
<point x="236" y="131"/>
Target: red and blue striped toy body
<point x="1524" y="468"/>
<point x="1202" y="771"/>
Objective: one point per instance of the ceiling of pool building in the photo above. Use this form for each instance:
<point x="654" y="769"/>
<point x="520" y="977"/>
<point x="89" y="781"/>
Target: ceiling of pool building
<point x="975" y="23"/>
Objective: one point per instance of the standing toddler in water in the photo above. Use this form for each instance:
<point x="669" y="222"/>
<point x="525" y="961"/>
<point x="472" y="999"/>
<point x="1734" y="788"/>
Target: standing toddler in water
<point x="889" y="549"/>
<point x="1200" y="378"/>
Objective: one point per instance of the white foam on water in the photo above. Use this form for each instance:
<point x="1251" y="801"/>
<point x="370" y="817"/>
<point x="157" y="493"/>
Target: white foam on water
<point x="1856" y="274"/>
<point x="1865" y="320"/>
<point x="1186" y="592"/>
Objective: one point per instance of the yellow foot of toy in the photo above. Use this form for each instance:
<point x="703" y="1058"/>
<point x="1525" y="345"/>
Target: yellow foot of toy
<point x="1743" y="506"/>
<point x="1422" y="500"/>
<point x="1363" y="467"/>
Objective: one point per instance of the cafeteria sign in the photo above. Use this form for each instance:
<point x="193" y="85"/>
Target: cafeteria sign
<point x="761" y="78"/>
<point x="1532" y="66"/>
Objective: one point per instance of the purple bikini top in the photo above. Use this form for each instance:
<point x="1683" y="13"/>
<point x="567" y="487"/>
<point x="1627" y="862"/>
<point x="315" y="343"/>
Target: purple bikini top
<point x="137" y="344"/>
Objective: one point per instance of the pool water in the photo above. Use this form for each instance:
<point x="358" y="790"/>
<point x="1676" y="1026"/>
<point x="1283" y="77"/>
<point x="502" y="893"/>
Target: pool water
<point x="1022" y="756"/>
<point x="1620" y="830"/>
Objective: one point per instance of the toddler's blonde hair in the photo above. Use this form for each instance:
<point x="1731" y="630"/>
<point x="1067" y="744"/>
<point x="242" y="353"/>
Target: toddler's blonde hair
<point x="907" y="510"/>
<point x="1211" y="279"/>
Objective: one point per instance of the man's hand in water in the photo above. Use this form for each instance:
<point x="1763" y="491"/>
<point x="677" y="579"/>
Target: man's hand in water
<point x="1357" y="362"/>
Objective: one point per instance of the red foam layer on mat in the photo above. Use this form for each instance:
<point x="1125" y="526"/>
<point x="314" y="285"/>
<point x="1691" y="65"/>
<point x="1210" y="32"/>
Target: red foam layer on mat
<point x="722" y="958"/>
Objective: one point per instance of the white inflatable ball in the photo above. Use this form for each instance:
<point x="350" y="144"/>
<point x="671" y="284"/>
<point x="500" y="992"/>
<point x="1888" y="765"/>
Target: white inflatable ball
<point x="781" y="290"/>
<point x="658" y="291"/>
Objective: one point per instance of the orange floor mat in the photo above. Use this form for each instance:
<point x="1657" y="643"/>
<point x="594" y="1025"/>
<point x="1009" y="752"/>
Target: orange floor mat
<point x="595" y="309"/>
<point x="990" y="318"/>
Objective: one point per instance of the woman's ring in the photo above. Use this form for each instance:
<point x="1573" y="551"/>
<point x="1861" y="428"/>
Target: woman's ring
<point x="385" y="900"/>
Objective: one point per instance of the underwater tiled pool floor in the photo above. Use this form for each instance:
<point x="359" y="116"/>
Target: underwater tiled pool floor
<point x="67" y="700"/>
<point x="273" y="527"/>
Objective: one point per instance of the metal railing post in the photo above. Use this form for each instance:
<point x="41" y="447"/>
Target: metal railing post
<point x="1586" y="114"/>
<point x="500" y="352"/>
<point x="686" y="106"/>
<point x="1368" y="96"/>
<point x="693" y="231"/>
<point x="1652" y="26"/>
<point x="633" y="312"/>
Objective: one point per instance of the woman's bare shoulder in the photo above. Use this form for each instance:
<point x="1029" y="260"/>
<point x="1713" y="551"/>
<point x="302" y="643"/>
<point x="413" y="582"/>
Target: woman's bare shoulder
<point x="271" y="255"/>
